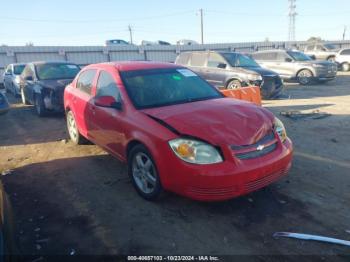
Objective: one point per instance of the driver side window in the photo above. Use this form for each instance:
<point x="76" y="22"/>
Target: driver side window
<point x="106" y="86"/>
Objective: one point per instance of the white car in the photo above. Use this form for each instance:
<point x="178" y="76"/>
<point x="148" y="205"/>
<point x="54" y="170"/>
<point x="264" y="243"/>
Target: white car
<point x="11" y="78"/>
<point x="343" y="59"/>
<point x="186" y="42"/>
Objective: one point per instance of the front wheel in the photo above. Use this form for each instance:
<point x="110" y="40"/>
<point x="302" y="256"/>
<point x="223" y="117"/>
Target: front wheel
<point x="39" y="105"/>
<point x="305" y="77"/>
<point x="234" y="84"/>
<point x="73" y="131"/>
<point x="143" y="173"/>
<point x="345" y="67"/>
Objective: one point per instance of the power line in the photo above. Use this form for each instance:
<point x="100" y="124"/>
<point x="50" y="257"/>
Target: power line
<point x="130" y="33"/>
<point x="292" y="14"/>
<point x="201" y="14"/>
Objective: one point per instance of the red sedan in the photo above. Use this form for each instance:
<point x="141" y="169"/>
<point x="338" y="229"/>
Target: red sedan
<point x="176" y="131"/>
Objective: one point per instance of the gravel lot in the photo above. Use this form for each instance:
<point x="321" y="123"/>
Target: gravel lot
<point x="78" y="198"/>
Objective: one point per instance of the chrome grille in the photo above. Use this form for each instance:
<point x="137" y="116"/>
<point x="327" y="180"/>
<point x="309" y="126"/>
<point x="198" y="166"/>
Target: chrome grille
<point x="264" y="146"/>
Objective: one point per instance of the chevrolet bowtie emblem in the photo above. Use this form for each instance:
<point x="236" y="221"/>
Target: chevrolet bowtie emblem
<point x="260" y="147"/>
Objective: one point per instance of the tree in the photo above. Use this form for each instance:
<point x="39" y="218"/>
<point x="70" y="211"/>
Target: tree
<point x="314" y="39"/>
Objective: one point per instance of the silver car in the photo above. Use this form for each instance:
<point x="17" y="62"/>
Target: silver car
<point x="343" y="59"/>
<point x="321" y="51"/>
<point x="295" y="65"/>
<point x="11" y="78"/>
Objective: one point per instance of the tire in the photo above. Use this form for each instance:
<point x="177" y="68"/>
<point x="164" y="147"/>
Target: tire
<point x="331" y="59"/>
<point x="234" y="84"/>
<point x="143" y="173"/>
<point x="305" y="77"/>
<point x="73" y="130"/>
<point x="23" y="97"/>
<point x="345" y="67"/>
<point x="39" y="105"/>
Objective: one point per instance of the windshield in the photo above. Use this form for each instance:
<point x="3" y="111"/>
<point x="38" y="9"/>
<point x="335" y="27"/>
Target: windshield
<point x="162" y="87"/>
<point x="330" y="46"/>
<point x="299" y="56"/>
<point x="240" y="60"/>
<point x="56" y="71"/>
<point x="18" y="69"/>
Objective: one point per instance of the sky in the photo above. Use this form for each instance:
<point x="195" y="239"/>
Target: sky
<point x="86" y="22"/>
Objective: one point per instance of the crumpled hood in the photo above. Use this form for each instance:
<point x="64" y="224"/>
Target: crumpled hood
<point x="58" y="84"/>
<point x="218" y="121"/>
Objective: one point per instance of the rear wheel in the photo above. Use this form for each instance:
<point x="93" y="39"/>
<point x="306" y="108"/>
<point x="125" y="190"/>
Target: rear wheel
<point x="234" y="84"/>
<point x="73" y="131"/>
<point x="345" y="67"/>
<point x="143" y="173"/>
<point x="39" y="105"/>
<point x="305" y="77"/>
<point x="331" y="59"/>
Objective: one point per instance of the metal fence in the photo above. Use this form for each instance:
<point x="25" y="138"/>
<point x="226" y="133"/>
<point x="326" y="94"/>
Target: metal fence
<point x="84" y="55"/>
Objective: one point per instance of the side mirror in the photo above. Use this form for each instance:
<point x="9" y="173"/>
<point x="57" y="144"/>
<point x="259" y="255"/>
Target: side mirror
<point x="287" y="59"/>
<point x="28" y="78"/>
<point x="107" y="101"/>
<point x="221" y="65"/>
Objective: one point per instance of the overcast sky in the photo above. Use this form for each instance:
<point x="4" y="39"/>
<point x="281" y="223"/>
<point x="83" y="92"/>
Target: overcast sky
<point x="79" y="22"/>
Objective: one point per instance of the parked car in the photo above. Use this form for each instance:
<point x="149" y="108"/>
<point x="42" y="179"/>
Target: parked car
<point x="176" y="131"/>
<point x="2" y="88"/>
<point x="321" y="51"/>
<point x="229" y="70"/>
<point x="116" y="42"/>
<point x="12" y="77"/>
<point x="42" y="84"/>
<point x="4" y="104"/>
<point x="187" y="42"/>
<point x="295" y="65"/>
<point x="343" y="59"/>
<point x="158" y="42"/>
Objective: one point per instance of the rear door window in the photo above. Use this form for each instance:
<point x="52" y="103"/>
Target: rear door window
<point x="198" y="59"/>
<point x="215" y="59"/>
<point x="106" y="86"/>
<point x="85" y="80"/>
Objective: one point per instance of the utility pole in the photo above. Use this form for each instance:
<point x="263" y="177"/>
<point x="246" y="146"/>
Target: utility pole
<point x="344" y="32"/>
<point x="130" y="32"/>
<point x="201" y="14"/>
<point x="292" y="14"/>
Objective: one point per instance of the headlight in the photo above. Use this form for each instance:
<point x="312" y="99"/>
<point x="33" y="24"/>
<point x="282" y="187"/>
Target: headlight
<point x="17" y="80"/>
<point x="252" y="77"/>
<point x="194" y="151"/>
<point x="280" y="129"/>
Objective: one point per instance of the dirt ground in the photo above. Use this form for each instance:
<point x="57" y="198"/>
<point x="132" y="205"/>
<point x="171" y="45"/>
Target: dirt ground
<point x="78" y="199"/>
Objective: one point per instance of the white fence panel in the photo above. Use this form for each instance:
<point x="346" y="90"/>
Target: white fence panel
<point x="84" y="58"/>
<point x="37" y="56"/>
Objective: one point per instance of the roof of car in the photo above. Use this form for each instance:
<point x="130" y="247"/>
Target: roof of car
<point x="52" y="62"/>
<point x="272" y="50"/>
<point x="136" y="65"/>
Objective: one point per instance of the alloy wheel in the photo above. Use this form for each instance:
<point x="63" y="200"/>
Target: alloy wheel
<point x="144" y="172"/>
<point x="72" y="127"/>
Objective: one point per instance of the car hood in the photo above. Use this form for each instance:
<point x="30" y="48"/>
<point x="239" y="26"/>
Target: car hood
<point x="318" y="62"/>
<point x="217" y="121"/>
<point x="55" y="84"/>
<point x="261" y="71"/>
